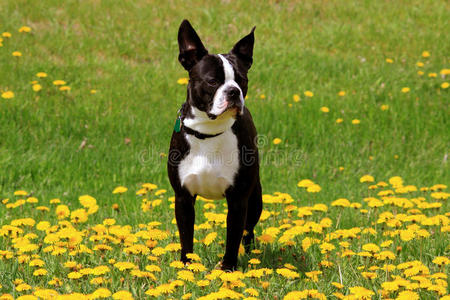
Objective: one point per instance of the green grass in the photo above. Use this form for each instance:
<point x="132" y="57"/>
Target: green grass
<point x="127" y="51"/>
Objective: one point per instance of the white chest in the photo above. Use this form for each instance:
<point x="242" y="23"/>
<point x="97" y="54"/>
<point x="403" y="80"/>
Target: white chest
<point x="211" y="165"/>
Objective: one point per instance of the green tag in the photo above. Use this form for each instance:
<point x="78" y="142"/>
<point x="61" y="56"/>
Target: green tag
<point x="177" y="127"/>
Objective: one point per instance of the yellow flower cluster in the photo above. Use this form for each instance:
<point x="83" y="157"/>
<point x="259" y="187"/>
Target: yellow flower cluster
<point x="384" y="244"/>
<point x="36" y="86"/>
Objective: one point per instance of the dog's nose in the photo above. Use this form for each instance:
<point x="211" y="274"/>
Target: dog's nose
<point x="233" y="93"/>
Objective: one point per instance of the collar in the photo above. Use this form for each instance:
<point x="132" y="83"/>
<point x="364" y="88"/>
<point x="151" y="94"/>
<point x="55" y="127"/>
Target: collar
<point x="179" y="125"/>
<point x="199" y="135"/>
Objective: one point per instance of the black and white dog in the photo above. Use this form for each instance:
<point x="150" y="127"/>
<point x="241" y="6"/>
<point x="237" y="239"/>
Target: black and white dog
<point x="213" y="151"/>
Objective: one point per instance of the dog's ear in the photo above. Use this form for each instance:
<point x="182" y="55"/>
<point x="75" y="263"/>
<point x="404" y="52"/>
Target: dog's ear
<point x="244" y="49"/>
<point x="191" y="47"/>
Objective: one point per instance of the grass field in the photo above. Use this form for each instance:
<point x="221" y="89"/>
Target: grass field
<point x="338" y="90"/>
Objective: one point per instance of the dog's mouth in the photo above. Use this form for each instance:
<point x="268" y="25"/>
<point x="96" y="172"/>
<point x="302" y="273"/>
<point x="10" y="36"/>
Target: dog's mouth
<point x="227" y="106"/>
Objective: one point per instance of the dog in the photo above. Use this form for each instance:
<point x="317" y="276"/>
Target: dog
<point x="213" y="151"/>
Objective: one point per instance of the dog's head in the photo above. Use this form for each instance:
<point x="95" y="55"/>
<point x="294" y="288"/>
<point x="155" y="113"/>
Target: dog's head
<point x="217" y="83"/>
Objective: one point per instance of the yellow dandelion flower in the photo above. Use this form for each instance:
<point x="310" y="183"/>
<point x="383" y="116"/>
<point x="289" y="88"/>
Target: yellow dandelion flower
<point x="25" y="29"/>
<point x="315" y="188"/>
<point x="308" y="94"/>
<point x="254" y="261"/>
<point x="79" y="216"/>
<point x="425" y="54"/>
<point x="59" y="82"/>
<point x="101" y="293"/>
<point x="210" y="238"/>
<point x="326" y="247"/>
<point x="160" y="192"/>
<point x="41" y="74"/>
<point x="276" y="141"/>
<point x="396" y="181"/>
<point x="371" y="247"/>
<point x="36" y="87"/>
<point x="342" y="93"/>
<point x="74" y="275"/>
<point x="405" y="90"/>
<point x="408" y="295"/>
<point x="17" y="54"/>
<point x="97" y="280"/>
<point x="70" y="264"/>
<point x="36" y="263"/>
<point x="183" y="80"/>
<point x="124" y="265"/>
<point x="406" y="235"/>
<point x="55" y="281"/>
<point x="384" y="107"/>
<point x="55" y="201"/>
<point x="87" y="201"/>
<point x="46" y="293"/>
<point x="65" y="88"/>
<point x="383" y="255"/>
<point x="153" y="268"/>
<point x="62" y="211"/>
<point x="296" y="98"/>
<point x="40" y="272"/>
<point x="285" y="272"/>
<point x="186" y="275"/>
<point x="122" y="295"/>
<point x="203" y="283"/>
<point x="7" y="95"/>
<point x="369" y="275"/>
<point x="120" y="190"/>
<point x="337" y="285"/>
<point x="326" y="264"/>
<point x="445" y="85"/>
<point x="339" y="120"/>
<point x="166" y="288"/>
<point x="389" y="60"/>
<point x="6" y="34"/>
<point x="305" y="183"/>
<point x="149" y="186"/>
<point x="158" y="251"/>
<point x="432" y="75"/>
<point x="177" y="264"/>
<point x="361" y="292"/>
<point x="313" y="275"/>
<point x="193" y="257"/>
<point x="441" y="260"/>
<point x="252" y="292"/>
<point x="23" y="287"/>
<point x="324" y="109"/>
<point x="440" y="195"/>
<point x="152" y="292"/>
<point x="342" y="202"/>
<point x="356" y="121"/>
<point x="375" y="203"/>
<point x="367" y="178"/>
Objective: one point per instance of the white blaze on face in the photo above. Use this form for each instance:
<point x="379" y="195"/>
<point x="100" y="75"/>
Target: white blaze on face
<point x="220" y="102"/>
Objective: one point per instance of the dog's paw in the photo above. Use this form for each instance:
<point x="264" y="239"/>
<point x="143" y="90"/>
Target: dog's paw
<point x="226" y="267"/>
<point x="185" y="260"/>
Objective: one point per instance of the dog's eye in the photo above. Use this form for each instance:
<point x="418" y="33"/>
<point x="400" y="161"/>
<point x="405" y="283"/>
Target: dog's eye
<point x="212" y="82"/>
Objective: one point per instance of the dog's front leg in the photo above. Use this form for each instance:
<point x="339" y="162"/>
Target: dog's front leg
<point x="185" y="216"/>
<point x="237" y="212"/>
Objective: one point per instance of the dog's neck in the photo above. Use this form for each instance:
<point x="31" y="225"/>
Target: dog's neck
<point x="199" y="121"/>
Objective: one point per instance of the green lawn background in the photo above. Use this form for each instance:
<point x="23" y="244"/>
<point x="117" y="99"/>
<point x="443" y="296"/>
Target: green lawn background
<point x="127" y="51"/>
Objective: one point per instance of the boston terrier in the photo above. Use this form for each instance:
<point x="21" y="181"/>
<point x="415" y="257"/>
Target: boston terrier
<point x="213" y="151"/>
